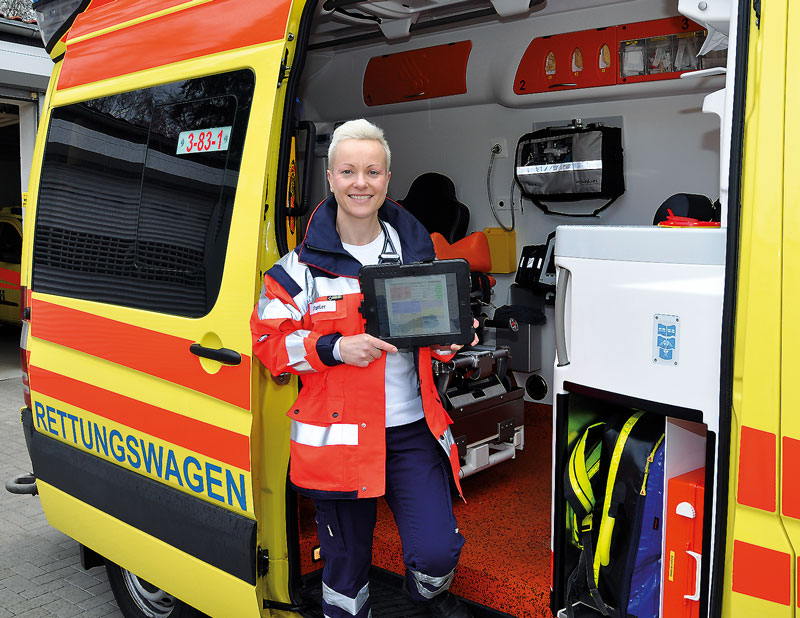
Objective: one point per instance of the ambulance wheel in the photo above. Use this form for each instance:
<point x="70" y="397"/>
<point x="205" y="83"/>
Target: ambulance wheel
<point x="138" y="598"/>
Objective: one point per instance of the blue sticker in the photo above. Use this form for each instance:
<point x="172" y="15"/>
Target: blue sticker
<point x="666" y="339"/>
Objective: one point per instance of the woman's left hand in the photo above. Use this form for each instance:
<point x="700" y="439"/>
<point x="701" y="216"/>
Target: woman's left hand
<point x="455" y="347"/>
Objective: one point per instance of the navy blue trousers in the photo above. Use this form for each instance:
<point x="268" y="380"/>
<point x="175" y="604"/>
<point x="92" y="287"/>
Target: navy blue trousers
<point x="418" y="493"/>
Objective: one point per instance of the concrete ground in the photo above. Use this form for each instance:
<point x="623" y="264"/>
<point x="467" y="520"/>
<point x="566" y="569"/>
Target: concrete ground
<point x="40" y="570"/>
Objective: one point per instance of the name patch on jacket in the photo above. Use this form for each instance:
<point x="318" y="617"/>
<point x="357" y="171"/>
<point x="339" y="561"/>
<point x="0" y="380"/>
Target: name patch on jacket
<point x="323" y="306"/>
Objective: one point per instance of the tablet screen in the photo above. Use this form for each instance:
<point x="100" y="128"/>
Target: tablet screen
<point x="419" y="305"/>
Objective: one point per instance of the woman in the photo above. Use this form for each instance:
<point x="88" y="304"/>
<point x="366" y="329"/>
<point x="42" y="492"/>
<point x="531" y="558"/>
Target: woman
<point x="368" y="420"/>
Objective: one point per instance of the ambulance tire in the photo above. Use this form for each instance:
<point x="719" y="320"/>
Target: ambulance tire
<point x="137" y="598"/>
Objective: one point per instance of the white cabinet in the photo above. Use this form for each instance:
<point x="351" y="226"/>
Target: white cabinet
<point x="638" y="327"/>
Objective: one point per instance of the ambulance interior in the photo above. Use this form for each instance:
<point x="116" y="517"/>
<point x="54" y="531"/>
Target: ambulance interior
<point x="466" y="128"/>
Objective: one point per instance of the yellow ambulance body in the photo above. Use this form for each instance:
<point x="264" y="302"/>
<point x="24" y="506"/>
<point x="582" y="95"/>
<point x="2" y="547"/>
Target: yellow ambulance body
<point x="159" y="442"/>
<point x="763" y="523"/>
<point x="170" y="444"/>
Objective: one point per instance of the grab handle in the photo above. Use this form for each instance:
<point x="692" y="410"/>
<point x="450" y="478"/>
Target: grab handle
<point x="222" y="355"/>
<point x="561" y="307"/>
<point x="696" y="596"/>
<point x="304" y="203"/>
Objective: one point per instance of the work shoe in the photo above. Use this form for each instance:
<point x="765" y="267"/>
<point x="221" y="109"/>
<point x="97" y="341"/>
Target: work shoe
<point x="445" y="605"/>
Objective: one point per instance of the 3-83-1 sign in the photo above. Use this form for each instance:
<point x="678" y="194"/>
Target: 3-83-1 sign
<point x="204" y="140"/>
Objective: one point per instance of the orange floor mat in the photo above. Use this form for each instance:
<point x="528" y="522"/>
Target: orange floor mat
<point x="505" y="563"/>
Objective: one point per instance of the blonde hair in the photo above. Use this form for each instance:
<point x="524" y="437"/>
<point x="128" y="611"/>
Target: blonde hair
<point x="359" y="129"/>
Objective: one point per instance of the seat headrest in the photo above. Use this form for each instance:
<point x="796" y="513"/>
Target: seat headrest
<point x="432" y="186"/>
<point x="432" y="200"/>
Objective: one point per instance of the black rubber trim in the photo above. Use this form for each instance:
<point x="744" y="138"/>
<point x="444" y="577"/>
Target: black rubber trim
<point x="729" y="308"/>
<point x="284" y="607"/>
<point x="26" y="416"/>
<point x="656" y="407"/>
<point x="210" y="533"/>
<point x="62" y="30"/>
<point x="288" y="124"/>
<point x="293" y="542"/>
<point x="708" y="501"/>
<point x="560" y="431"/>
<point x="305" y="196"/>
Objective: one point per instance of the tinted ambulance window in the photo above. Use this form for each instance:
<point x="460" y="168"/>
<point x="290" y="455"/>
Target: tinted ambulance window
<point x="136" y="194"/>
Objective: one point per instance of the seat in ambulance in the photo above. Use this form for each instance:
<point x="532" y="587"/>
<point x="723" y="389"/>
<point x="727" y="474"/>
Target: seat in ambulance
<point x="487" y="410"/>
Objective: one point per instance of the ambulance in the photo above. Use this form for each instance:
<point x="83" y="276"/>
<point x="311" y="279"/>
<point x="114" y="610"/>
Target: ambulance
<point x="183" y="146"/>
<point x="10" y="249"/>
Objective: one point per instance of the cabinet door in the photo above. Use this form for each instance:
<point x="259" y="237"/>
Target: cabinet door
<point x="571" y="60"/>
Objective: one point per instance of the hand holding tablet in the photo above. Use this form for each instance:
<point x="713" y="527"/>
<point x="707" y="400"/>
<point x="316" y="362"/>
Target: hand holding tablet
<point x="455" y="347"/>
<point x="361" y="350"/>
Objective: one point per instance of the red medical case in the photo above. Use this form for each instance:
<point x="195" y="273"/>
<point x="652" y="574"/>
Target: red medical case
<point x="683" y="545"/>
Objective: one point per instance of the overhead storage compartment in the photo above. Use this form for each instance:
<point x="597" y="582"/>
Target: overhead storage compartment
<point x="425" y="73"/>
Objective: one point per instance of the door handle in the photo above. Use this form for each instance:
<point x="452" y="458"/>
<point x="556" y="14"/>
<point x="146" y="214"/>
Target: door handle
<point x="562" y="356"/>
<point x="698" y="559"/>
<point x="222" y="355"/>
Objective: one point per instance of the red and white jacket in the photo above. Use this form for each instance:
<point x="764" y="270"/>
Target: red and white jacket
<point x="311" y="298"/>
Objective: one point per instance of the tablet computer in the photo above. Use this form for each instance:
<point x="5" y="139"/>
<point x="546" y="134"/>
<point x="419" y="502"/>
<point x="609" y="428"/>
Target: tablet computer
<point x="423" y="304"/>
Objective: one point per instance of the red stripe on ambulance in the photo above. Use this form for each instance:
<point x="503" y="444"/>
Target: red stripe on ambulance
<point x="757" y="469"/>
<point x="100" y="15"/>
<point x="157" y="354"/>
<point x="762" y="573"/>
<point x="11" y="276"/>
<point x="199" y="30"/>
<point x="215" y="442"/>
<point x="790" y="497"/>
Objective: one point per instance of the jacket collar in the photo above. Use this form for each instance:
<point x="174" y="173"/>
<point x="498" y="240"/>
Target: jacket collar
<point x="322" y="247"/>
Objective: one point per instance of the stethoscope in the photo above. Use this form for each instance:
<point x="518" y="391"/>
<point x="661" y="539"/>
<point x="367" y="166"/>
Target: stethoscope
<point x="389" y="254"/>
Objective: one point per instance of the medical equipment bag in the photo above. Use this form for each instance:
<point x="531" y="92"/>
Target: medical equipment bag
<point x="613" y="485"/>
<point x="570" y="163"/>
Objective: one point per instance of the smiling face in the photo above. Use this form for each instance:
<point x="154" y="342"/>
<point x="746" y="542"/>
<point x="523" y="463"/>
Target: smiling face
<point x="358" y="179"/>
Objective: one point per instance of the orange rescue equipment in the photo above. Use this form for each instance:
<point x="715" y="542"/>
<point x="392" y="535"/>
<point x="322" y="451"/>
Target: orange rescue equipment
<point x="683" y="545"/>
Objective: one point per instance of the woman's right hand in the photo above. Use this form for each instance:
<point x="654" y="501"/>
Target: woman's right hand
<point x="361" y="350"/>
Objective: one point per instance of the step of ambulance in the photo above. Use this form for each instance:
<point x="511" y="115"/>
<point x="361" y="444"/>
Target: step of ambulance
<point x="388" y="599"/>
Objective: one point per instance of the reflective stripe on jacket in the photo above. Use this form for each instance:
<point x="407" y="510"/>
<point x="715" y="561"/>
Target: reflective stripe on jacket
<point x="311" y="298"/>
